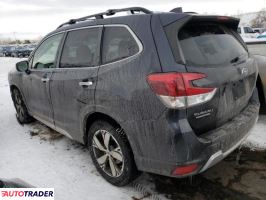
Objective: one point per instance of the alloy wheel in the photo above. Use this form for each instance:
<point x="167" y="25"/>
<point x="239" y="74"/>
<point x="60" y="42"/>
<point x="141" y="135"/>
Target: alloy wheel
<point x="108" y="154"/>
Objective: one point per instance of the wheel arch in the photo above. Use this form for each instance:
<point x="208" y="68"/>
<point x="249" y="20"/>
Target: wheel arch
<point x="12" y="87"/>
<point x="93" y="117"/>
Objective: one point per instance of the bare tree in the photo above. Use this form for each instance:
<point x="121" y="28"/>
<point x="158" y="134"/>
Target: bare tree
<point x="260" y="20"/>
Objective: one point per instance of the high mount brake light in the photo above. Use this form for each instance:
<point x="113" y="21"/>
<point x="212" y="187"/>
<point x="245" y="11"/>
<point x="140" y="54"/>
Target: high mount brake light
<point x="177" y="91"/>
<point x="223" y="18"/>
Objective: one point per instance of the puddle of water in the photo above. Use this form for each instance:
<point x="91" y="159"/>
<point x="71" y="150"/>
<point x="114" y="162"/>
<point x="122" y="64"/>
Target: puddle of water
<point x="44" y="132"/>
<point x="236" y="179"/>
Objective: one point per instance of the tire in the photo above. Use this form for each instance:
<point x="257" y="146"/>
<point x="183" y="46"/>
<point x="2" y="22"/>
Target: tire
<point x="22" y="114"/>
<point x="263" y="109"/>
<point x="113" y="158"/>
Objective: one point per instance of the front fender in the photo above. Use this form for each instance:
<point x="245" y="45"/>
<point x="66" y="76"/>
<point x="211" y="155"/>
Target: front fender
<point x="15" y="80"/>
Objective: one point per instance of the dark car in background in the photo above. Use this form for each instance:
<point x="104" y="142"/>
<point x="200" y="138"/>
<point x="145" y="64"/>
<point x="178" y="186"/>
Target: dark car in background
<point x="31" y="47"/>
<point x="168" y="93"/>
<point x="17" y="50"/>
<point x="1" y="51"/>
<point x="20" y="51"/>
<point x="7" y="51"/>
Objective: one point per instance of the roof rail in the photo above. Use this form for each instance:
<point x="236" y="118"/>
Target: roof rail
<point x="110" y="12"/>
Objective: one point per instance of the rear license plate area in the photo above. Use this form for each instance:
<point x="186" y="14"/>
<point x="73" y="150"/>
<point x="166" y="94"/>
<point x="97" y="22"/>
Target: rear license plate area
<point x="239" y="89"/>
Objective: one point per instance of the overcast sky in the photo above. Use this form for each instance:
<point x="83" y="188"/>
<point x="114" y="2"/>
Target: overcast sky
<point x="38" y="17"/>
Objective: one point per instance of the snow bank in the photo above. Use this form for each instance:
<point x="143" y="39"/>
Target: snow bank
<point x="257" y="138"/>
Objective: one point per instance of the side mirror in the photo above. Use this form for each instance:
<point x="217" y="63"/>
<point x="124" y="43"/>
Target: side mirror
<point x="23" y="66"/>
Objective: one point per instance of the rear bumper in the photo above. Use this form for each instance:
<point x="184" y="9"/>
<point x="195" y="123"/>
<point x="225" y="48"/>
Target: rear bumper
<point x="221" y="154"/>
<point x="179" y="145"/>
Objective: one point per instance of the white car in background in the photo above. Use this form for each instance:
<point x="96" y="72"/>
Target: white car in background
<point x="259" y="30"/>
<point x="262" y="36"/>
<point x="247" y="32"/>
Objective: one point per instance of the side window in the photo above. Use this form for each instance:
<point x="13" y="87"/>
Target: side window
<point x="248" y="30"/>
<point x="118" y="43"/>
<point x="45" y="55"/>
<point x="239" y="30"/>
<point x="81" y="48"/>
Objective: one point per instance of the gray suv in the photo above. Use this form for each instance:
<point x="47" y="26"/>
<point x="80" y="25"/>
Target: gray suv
<point x="167" y="93"/>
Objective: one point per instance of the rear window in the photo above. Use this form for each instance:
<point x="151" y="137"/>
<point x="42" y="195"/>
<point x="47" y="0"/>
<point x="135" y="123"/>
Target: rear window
<point x="210" y="45"/>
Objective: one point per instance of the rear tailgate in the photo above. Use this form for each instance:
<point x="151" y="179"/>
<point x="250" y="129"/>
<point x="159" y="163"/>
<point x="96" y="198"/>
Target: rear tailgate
<point x="211" y="46"/>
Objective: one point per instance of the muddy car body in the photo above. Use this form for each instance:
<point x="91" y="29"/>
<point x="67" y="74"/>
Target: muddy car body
<point x="142" y="101"/>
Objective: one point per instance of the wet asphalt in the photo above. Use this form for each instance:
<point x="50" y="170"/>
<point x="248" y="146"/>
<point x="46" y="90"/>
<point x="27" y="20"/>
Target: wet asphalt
<point x="241" y="176"/>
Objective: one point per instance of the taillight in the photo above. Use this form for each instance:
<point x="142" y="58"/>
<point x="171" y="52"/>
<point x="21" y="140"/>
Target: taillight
<point x="177" y="91"/>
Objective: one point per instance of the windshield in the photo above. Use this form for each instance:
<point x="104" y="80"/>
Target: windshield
<point x="210" y="45"/>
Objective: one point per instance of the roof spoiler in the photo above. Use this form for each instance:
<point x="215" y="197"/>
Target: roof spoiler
<point x="230" y="22"/>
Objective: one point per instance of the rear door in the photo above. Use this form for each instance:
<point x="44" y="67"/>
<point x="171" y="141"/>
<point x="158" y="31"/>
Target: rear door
<point x="73" y="83"/>
<point x="214" y="50"/>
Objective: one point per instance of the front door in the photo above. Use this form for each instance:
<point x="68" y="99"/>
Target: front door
<point x="73" y="83"/>
<point x="42" y="67"/>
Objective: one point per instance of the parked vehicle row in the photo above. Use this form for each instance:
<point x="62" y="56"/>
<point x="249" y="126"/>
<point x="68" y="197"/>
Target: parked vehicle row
<point x="248" y="32"/>
<point x="170" y="93"/>
<point x="17" y="50"/>
<point x="259" y="30"/>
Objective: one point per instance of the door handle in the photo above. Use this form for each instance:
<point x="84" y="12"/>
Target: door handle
<point x="45" y="80"/>
<point x="87" y="83"/>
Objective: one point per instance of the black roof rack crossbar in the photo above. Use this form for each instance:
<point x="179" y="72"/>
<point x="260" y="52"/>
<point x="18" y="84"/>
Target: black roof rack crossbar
<point x="110" y="12"/>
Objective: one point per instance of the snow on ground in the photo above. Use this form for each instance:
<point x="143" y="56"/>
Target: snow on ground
<point x="60" y="162"/>
<point x="257" y="138"/>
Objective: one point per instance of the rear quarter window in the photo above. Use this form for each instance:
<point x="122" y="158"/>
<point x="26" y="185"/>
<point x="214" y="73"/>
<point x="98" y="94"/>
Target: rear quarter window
<point x="118" y="43"/>
<point x="209" y="45"/>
